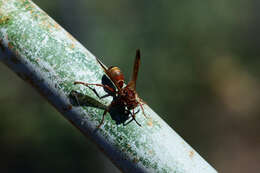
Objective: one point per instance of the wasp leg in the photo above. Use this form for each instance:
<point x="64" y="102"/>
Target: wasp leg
<point x="133" y="115"/>
<point x="129" y="112"/>
<point x="104" y="96"/>
<point x="133" y="118"/>
<point x="103" y="117"/>
<point x="87" y="84"/>
<point x="105" y="112"/>
<point x="141" y="105"/>
<point x="93" y="89"/>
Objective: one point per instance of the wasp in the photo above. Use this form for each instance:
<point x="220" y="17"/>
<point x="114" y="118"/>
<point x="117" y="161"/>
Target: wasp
<point x="126" y="96"/>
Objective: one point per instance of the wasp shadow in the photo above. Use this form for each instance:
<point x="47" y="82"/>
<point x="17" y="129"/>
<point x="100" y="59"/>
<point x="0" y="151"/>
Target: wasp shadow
<point x="119" y="113"/>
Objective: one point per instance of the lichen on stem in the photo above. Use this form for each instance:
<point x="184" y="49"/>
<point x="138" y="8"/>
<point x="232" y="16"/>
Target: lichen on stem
<point x="43" y="54"/>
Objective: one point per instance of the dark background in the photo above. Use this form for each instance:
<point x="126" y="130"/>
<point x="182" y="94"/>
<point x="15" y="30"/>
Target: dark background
<point x="199" y="72"/>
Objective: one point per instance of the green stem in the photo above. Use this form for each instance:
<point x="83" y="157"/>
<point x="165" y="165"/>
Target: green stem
<point x="42" y="53"/>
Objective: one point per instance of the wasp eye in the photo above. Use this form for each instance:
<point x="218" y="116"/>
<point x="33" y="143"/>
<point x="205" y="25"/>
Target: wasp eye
<point x="121" y="83"/>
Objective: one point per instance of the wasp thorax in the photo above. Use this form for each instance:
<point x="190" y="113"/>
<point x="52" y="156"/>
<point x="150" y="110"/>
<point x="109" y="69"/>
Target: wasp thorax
<point x="117" y="75"/>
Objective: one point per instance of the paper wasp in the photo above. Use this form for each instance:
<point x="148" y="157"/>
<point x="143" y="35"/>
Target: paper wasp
<point x="126" y="96"/>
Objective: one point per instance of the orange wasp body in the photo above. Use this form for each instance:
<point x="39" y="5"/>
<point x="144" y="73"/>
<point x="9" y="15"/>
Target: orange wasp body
<point x="127" y="96"/>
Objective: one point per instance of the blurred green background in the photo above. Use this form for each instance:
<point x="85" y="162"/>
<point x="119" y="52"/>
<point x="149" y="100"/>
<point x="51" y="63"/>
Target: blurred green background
<point x="199" y="72"/>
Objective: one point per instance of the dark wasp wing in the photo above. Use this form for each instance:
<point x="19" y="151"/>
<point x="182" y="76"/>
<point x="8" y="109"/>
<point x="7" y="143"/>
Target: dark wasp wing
<point x="132" y="83"/>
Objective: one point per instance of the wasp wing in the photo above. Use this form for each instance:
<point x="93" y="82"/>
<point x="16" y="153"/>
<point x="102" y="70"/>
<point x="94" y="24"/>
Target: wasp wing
<point x="132" y="83"/>
<point x="108" y="74"/>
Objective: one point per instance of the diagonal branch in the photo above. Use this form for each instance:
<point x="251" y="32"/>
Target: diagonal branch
<point x="43" y="54"/>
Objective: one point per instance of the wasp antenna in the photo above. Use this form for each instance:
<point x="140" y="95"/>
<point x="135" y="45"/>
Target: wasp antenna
<point x="101" y="64"/>
<point x="138" y="52"/>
